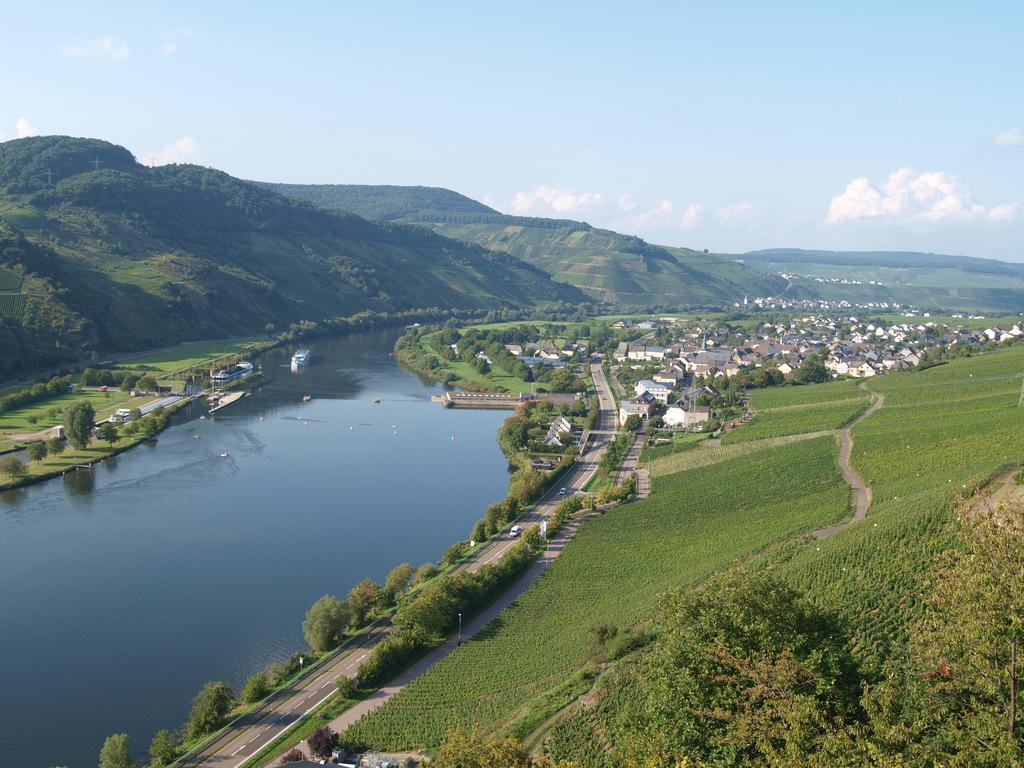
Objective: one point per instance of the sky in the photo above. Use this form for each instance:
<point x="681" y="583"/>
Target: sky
<point x="727" y="126"/>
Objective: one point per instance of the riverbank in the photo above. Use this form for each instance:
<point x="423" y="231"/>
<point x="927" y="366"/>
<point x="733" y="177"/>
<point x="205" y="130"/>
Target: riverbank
<point x="82" y="459"/>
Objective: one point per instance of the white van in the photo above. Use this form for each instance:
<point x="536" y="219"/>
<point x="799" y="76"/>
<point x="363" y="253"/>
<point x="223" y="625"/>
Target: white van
<point x="515" y="531"/>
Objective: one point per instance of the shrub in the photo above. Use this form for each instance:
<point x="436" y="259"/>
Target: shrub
<point x="12" y="467"/>
<point x="257" y="687"/>
<point x="36" y="451"/>
<point x="209" y="708"/>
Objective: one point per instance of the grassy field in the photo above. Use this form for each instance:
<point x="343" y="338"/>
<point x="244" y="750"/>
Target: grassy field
<point x="470" y="378"/>
<point x="694" y="523"/>
<point x="170" y="363"/>
<point x="49" y="413"/>
<point x="794" y="410"/>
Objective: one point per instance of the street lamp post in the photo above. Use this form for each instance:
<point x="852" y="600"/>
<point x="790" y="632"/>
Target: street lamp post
<point x="460" y="627"/>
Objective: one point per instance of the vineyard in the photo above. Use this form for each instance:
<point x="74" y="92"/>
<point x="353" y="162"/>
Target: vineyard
<point x="942" y="431"/>
<point x="793" y="410"/>
<point x="12" y="304"/>
<point x="9" y="280"/>
<point x="693" y="524"/>
<point x="705" y="455"/>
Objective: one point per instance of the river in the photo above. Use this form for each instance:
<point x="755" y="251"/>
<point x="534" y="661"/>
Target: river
<point x="127" y="588"/>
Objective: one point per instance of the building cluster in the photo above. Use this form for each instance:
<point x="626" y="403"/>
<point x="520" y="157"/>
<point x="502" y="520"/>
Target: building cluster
<point x="672" y="375"/>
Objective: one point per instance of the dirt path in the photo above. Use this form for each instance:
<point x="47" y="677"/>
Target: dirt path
<point x="997" y="491"/>
<point x="861" y="491"/>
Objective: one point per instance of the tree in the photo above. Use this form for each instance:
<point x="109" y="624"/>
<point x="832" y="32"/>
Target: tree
<point x="79" y="419"/>
<point x="116" y="752"/>
<point x="424" y="573"/>
<point x="962" y="699"/>
<point x="325" y="623"/>
<point x="55" y="446"/>
<point x="322" y="742"/>
<point x="813" y="371"/>
<point x="427" y="618"/>
<point x="293" y="756"/>
<point x="362" y="599"/>
<point x="147" y="383"/>
<point x="135" y="414"/>
<point x="12" y="467"/>
<point x="398" y="581"/>
<point x="468" y="750"/>
<point x="163" y="750"/>
<point x="256" y="687"/>
<point x="36" y="451"/>
<point x="633" y="422"/>
<point x="209" y="708"/>
<point x="346" y="687"/>
<point x="745" y="671"/>
<point x="89" y="378"/>
<point x="108" y="432"/>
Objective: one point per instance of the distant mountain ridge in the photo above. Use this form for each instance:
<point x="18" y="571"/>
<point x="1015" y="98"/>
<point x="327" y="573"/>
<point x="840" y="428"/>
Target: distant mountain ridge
<point x="98" y="252"/>
<point x="607" y="265"/>
<point x="927" y="280"/>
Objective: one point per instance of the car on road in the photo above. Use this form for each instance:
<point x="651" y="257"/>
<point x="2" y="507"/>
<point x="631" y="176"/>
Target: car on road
<point x="515" y="531"/>
<point x="563" y="491"/>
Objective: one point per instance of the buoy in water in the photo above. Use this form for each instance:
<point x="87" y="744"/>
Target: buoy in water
<point x="349" y="427"/>
<point x="223" y="454"/>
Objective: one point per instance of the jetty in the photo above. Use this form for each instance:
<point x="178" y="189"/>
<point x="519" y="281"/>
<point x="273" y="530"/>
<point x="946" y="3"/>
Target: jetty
<point x="499" y="400"/>
<point x="220" y="400"/>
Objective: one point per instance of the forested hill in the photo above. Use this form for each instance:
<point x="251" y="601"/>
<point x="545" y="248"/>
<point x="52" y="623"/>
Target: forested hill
<point x="98" y="252"/>
<point x="381" y="201"/>
<point x="928" y="280"/>
<point x="607" y="265"/>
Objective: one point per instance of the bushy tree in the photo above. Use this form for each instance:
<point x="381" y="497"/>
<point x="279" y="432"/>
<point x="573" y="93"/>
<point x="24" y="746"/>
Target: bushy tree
<point x="55" y="446"/>
<point x="36" y="451"/>
<point x="293" y="756"/>
<point x="362" y="599"/>
<point x="79" y="419"/>
<point x="469" y="750"/>
<point x="116" y="752"/>
<point x="424" y="573"/>
<point x="147" y="384"/>
<point x="322" y="742"/>
<point x="209" y="708"/>
<point x="163" y="749"/>
<point x="398" y="581"/>
<point x="12" y="467"/>
<point x="325" y="623"/>
<point x="108" y="432"/>
<point x="256" y="687"/>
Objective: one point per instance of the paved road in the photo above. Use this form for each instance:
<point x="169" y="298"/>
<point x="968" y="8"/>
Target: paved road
<point x="861" y="491"/>
<point x="288" y="707"/>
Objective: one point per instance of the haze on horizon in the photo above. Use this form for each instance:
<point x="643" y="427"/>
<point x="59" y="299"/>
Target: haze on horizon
<point x="723" y="128"/>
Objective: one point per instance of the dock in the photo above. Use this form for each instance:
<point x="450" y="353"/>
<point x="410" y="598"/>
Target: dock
<point x="220" y="400"/>
<point x="506" y="400"/>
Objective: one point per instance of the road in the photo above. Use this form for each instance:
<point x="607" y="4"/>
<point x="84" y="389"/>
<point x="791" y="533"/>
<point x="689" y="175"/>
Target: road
<point x="286" y="708"/>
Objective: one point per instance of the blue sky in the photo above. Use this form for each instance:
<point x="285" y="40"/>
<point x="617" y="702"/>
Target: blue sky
<point x="727" y="126"/>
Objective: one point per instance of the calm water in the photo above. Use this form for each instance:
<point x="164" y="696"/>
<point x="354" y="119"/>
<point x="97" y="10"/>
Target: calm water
<point x="123" y="591"/>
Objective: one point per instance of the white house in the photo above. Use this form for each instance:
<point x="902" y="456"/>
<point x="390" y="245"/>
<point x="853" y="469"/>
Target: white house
<point x="558" y="427"/>
<point x="659" y="391"/>
<point x="680" y="417"/>
<point x="643" y="410"/>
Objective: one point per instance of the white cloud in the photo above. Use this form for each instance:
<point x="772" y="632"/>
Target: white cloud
<point x="556" y="200"/>
<point x="105" y="47"/>
<point x="173" y="40"/>
<point x="184" y="150"/>
<point x="24" y="128"/>
<point x="929" y="197"/>
<point x="620" y="212"/>
<point x="691" y="216"/>
<point x="1011" y="138"/>
<point x="738" y="211"/>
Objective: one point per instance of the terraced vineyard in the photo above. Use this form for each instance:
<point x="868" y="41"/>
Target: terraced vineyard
<point x="12" y="305"/>
<point x="942" y="431"/>
<point x="694" y="523"/>
<point x="795" y="410"/>
<point x="9" y="280"/>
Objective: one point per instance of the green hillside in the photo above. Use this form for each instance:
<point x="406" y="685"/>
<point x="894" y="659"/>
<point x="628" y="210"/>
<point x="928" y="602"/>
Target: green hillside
<point x="619" y="269"/>
<point x="100" y="253"/>
<point x="926" y="279"/>
<point x="381" y="201"/>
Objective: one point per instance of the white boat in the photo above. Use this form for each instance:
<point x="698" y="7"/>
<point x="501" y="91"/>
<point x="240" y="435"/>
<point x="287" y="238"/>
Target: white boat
<point x="300" y="358"/>
<point x="240" y="370"/>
